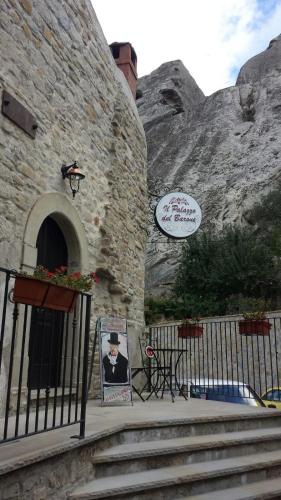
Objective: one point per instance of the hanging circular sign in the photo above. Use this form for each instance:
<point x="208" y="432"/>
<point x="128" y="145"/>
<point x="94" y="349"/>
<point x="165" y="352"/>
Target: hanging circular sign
<point x="177" y="215"/>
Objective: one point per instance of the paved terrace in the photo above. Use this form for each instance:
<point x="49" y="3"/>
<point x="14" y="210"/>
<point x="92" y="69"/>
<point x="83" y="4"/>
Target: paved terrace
<point x="103" y="421"/>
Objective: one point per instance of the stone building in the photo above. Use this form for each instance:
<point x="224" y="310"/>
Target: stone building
<point x="56" y="64"/>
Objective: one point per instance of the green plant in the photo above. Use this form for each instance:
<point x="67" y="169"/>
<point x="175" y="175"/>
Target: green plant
<point x="76" y="280"/>
<point x="214" y="268"/>
<point x="255" y="309"/>
<point x="254" y="315"/>
<point x="190" y="321"/>
<point x="158" y="308"/>
<point x="266" y="216"/>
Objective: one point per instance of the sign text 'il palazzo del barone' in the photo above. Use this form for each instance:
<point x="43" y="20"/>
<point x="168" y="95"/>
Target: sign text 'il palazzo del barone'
<point x="177" y="215"/>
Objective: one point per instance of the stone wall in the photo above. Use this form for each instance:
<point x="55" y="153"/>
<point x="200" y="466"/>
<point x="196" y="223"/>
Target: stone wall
<point x="55" y="61"/>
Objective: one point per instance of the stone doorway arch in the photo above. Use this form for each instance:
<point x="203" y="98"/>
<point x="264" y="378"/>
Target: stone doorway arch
<point x="59" y="208"/>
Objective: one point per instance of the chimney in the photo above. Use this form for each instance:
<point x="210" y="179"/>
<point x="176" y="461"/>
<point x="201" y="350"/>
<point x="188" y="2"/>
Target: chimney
<point x="126" y="59"/>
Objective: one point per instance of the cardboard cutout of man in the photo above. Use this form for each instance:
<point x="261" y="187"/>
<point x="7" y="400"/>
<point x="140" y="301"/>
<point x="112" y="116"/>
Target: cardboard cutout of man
<point x="114" y="363"/>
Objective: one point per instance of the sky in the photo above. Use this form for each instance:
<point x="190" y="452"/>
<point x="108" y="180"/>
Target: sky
<point x="213" y="38"/>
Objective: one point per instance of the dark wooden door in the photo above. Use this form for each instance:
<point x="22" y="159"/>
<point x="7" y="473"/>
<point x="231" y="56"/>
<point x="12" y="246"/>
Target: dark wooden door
<point x="46" y="328"/>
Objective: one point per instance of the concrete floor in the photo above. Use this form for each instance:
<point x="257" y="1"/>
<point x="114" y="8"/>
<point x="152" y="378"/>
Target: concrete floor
<point x="102" y="421"/>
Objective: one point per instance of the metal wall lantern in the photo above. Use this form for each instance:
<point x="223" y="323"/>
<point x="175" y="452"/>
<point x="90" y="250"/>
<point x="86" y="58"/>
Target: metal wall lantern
<point x="73" y="173"/>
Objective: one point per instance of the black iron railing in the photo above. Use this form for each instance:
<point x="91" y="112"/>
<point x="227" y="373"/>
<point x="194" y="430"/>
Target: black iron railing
<point x="223" y="361"/>
<point x="43" y="365"/>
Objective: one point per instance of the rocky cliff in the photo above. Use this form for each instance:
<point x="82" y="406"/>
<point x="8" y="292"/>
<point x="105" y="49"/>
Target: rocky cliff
<point x="224" y="150"/>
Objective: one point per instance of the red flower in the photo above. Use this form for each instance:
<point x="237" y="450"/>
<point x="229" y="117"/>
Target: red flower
<point x="77" y="280"/>
<point x="76" y="276"/>
<point x="95" y="277"/>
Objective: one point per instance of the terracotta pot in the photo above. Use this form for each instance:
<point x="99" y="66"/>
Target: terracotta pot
<point x="40" y="293"/>
<point x="254" y="327"/>
<point x="190" y="331"/>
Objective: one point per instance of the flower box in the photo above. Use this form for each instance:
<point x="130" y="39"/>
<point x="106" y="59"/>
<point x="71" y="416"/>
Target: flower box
<point x="40" y="293"/>
<point x="254" y="327"/>
<point x="60" y="298"/>
<point x="30" y="291"/>
<point x="186" y="331"/>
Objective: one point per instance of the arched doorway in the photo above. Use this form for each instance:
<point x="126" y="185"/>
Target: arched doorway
<point x="60" y="209"/>
<point x="52" y="208"/>
<point x="46" y="327"/>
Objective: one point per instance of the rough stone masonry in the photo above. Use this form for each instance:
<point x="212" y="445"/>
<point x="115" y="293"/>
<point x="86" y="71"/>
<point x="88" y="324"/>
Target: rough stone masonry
<point x="55" y="61"/>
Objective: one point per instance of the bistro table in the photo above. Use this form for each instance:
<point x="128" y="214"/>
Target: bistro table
<point x="167" y="360"/>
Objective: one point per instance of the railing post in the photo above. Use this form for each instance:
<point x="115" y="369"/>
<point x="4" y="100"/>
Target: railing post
<point x="11" y="365"/>
<point x="84" y="395"/>
<point x="3" y="321"/>
<point x="19" y="367"/>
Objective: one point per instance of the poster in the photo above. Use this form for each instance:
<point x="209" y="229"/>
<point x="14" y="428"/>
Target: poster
<point x="114" y="361"/>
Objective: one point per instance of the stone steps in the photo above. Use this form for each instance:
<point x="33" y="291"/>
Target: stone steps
<point x="151" y="437"/>
<point x="134" y="457"/>
<point x="173" y="481"/>
<point x="261" y="490"/>
<point x="155" y="431"/>
<point x="188" y="457"/>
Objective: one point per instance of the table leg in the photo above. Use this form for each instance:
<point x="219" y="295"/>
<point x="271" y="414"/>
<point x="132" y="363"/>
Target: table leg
<point x="176" y="379"/>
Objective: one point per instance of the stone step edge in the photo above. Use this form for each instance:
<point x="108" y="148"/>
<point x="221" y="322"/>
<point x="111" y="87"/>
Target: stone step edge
<point x="181" y="477"/>
<point x="46" y="453"/>
<point x="232" y="417"/>
<point x="224" y="440"/>
<point x="258" y="490"/>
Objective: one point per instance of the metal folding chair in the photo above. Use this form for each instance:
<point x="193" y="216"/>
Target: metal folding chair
<point x="157" y="375"/>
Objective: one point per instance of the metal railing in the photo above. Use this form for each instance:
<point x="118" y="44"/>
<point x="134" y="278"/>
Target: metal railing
<point x="43" y="365"/>
<point x="222" y="361"/>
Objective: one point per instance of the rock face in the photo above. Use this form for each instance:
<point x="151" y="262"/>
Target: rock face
<point x="224" y="150"/>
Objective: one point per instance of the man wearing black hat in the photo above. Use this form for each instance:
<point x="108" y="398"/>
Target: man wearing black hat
<point x="114" y="363"/>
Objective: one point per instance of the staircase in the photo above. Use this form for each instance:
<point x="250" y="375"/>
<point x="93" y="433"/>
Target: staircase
<point x="212" y="458"/>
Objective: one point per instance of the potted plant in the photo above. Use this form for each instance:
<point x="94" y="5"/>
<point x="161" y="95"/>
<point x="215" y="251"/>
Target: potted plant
<point x="54" y="290"/>
<point x="254" y="323"/>
<point x="190" y="329"/>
